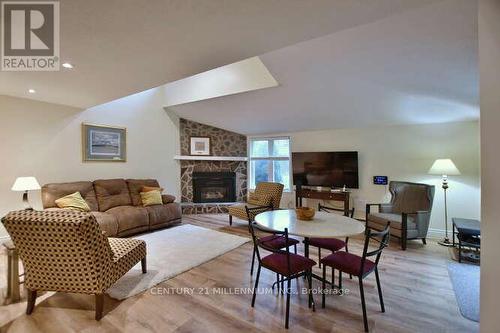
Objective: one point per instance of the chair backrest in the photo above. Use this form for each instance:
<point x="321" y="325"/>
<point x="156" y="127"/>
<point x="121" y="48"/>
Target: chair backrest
<point x="257" y="239"/>
<point x="409" y="197"/>
<point x="274" y="190"/>
<point x="381" y="238"/>
<point x="61" y="250"/>
<point x="330" y="209"/>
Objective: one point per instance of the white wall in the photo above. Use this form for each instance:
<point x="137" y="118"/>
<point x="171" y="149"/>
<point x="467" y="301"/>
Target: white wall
<point x="406" y="153"/>
<point x="489" y="70"/>
<point x="44" y="140"/>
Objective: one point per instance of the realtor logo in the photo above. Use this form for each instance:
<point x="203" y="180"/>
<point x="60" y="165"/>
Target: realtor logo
<point x="30" y="36"/>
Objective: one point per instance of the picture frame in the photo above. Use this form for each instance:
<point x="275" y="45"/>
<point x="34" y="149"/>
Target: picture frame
<point x="199" y="146"/>
<point x="103" y="143"/>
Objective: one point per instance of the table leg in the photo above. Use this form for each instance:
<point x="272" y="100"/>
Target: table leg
<point x="453" y="233"/>
<point x="306" y="247"/>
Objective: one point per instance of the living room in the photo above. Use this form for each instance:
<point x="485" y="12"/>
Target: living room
<point x="389" y="90"/>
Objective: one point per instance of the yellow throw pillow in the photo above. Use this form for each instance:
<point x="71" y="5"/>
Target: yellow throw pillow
<point x="73" y="201"/>
<point x="151" y="198"/>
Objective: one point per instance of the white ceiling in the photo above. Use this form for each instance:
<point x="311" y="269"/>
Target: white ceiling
<point x="120" y="47"/>
<point x="413" y="67"/>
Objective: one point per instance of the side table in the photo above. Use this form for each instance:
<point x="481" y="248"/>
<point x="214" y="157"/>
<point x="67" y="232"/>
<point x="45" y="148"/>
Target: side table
<point x="468" y="233"/>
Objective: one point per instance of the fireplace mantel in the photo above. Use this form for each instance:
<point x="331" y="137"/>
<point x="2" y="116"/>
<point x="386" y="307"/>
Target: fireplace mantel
<point x="210" y="158"/>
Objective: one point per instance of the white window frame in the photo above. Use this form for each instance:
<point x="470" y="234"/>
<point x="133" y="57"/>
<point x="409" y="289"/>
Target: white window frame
<point x="269" y="158"/>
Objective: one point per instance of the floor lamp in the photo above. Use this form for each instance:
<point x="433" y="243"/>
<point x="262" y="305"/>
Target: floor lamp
<point x="444" y="167"/>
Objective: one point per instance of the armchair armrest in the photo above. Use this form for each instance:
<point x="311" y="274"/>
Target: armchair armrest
<point x="422" y="220"/>
<point x="167" y="198"/>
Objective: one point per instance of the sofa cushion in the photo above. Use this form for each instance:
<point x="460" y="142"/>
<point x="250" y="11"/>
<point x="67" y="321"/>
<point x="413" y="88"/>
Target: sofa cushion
<point x="129" y="217"/>
<point x="160" y="214"/>
<point x="52" y="192"/>
<point x="112" y="193"/>
<point x="135" y="188"/>
<point x="107" y="222"/>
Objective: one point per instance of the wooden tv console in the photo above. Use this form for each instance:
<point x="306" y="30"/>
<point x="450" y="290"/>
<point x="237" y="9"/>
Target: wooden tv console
<point x="322" y="195"/>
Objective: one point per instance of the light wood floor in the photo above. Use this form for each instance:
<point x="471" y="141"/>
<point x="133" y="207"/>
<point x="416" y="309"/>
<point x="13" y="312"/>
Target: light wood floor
<point x="417" y="292"/>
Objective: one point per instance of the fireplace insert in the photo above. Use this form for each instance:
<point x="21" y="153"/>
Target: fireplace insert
<point x="214" y="187"/>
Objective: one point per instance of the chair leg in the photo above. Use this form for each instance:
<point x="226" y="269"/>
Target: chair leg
<point x="310" y="302"/>
<point x="287" y="317"/>
<point x="340" y="279"/>
<point x="319" y="256"/>
<point x="295" y="248"/>
<point x="256" y="286"/>
<point x="253" y="261"/>
<point x="99" y="306"/>
<point x="230" y="220"/>
<point x="144" y="265"/>
<point x="347" y="250"/>
<point x="403" y="242"/>
<point x="363" y="305"/>
<point x="31" y="301"/>
<point x="424" y="241"/>
<point x="382" y="307"/>
<point x="323" y="287"/>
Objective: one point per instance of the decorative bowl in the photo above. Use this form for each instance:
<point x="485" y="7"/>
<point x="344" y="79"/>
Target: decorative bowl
<point x="305" y="213"/>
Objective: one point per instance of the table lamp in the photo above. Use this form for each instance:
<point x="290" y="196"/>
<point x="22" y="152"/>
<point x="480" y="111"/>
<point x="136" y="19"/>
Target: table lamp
<point x="444" y="167"/>
<point x="25" y="184"/>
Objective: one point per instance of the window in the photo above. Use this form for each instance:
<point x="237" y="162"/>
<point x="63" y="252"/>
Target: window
<point x="270" y="161"/>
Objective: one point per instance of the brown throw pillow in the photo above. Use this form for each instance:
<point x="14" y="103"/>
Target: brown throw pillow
<point x="151" y="188"/>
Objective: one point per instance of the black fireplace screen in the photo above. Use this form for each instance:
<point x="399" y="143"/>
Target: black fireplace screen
<point x="214" y="187"/>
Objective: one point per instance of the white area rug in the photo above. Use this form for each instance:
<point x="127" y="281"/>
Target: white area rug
<point x="171" y="252"/>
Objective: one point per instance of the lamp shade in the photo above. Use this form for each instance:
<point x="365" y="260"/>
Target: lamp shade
<point x="25" y="184"/>
<point x="444" y="166"/>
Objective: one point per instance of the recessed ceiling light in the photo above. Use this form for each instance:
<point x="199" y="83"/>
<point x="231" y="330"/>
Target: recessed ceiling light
<point x="31" y="91"/>
<point x="67" y="65"/>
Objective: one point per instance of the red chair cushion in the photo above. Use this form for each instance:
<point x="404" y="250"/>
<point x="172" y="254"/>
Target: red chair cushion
<point x="277" y="242"/>
<point x="348" y="263"/>
<point x="332" y="244"/>
<point x="277" y="262"/>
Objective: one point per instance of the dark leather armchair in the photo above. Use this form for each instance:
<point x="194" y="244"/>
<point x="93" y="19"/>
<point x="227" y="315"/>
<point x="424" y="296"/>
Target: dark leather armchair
<point x="408" y="212"/>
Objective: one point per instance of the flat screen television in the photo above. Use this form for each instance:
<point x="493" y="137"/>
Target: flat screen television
<point x="329" y="169"/>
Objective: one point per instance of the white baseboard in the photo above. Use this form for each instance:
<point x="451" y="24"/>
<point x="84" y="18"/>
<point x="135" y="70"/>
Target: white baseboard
<point x="436" y="233"/>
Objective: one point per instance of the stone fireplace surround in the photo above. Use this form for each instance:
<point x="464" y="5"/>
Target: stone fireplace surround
<point x="223" y="143"/>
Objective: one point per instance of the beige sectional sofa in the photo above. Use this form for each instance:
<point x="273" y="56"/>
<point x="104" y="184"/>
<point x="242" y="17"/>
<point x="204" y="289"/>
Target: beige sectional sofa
<point x="116" y="204"/>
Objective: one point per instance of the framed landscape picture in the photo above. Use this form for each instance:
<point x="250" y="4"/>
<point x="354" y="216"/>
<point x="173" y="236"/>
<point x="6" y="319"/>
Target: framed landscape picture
<point x="200" y="145"/>
<point x="104" y="143"/>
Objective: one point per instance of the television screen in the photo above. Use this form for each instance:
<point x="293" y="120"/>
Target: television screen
<point x="332" y="169"/>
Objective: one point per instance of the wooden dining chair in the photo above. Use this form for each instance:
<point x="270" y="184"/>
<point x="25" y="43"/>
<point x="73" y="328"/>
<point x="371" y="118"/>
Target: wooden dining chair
<point x="275" y="241"/>
<point x="359" y="266"/>
<point x="288" y="265"/>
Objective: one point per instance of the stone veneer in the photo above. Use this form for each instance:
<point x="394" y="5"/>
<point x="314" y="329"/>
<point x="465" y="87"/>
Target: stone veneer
<point x="223" y="143"/>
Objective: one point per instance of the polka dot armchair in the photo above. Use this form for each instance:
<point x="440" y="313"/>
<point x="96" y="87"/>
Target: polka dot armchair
<point x="66" y="251"/>
<point x="269" y="194"/>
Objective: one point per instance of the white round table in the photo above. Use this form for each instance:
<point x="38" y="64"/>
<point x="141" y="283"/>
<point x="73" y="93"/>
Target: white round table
<point x="323" y="225"/>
